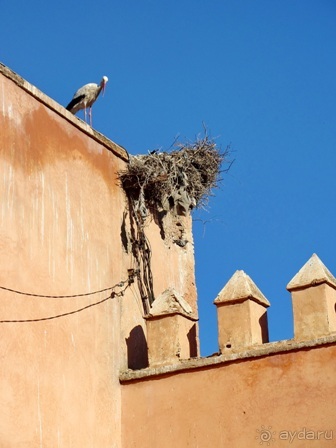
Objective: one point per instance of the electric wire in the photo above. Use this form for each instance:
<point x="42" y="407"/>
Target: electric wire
<point x="131" y="275"/>
<point x="120" y="284"/>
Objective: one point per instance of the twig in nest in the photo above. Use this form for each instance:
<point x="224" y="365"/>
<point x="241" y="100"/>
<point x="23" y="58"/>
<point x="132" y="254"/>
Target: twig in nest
<point x="177" y="181"/>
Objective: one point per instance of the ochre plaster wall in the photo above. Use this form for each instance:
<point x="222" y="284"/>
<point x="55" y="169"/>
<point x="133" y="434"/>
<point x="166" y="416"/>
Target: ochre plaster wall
<point x="63" y="221"/>
<point x="61" y="215"/>
<point x="231" y="404"/>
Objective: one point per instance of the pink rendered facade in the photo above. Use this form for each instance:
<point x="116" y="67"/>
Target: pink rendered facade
<point x="93" y="371"/>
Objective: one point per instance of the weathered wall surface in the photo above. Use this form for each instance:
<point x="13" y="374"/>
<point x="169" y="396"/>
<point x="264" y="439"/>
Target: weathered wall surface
<point x="281" y="400"/>
<point x="61" y="218"/>
<point x="253" y="392"/>
<point x="65" y="230"/>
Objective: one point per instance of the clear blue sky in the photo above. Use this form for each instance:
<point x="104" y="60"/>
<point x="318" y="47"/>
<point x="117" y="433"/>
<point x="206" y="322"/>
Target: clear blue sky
<point x="259" y="73"/>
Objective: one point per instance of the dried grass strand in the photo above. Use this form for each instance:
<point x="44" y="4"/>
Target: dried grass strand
<point x="176" y="181"/>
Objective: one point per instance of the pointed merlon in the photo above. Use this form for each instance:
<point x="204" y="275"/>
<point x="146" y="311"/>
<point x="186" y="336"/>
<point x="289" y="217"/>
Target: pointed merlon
<point x="241" y="287"/>
<point x="170" y="302"/>
<point x="312" y="273"/>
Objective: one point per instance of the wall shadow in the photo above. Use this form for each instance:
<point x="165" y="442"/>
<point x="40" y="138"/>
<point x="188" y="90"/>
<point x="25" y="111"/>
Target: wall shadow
<point x="192" y="338"/>
<point x="263" y="322"/>
<point x="137" y="349"/>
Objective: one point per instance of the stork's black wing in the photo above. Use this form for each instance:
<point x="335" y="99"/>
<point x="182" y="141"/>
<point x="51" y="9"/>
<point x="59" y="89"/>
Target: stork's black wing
<point x="74" y="101"/>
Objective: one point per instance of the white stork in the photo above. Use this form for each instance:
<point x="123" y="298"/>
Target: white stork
<point x="85" y="97"/>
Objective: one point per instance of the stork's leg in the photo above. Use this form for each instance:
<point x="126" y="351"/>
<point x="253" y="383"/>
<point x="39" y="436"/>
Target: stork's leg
<point x="85" y="114"/>
<point x="90" y="116"/>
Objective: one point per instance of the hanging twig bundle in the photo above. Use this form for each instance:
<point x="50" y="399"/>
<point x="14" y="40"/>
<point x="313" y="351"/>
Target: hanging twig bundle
<point x="177" y="181"/>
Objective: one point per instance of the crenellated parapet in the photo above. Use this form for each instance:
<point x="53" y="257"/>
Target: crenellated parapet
<point x="242" y="315"/>
<point x="313" y="291"/>
<point x="171" y="329"/>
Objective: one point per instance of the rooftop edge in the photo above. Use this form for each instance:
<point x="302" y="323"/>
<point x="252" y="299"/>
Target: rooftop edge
<point x="60" y="110"/>
<point x="259" y="351"/>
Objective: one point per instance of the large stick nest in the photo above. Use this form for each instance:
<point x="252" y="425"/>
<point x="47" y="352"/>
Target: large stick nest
<point x="175" y="181"/>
